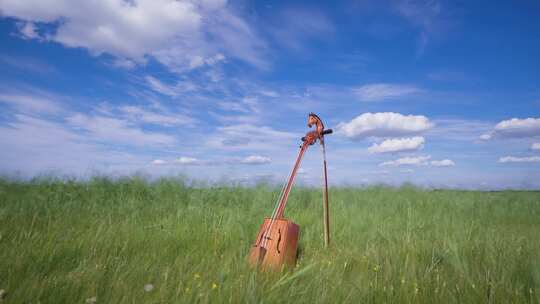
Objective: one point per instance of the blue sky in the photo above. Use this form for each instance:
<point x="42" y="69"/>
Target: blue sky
<point x="440" y="94"/>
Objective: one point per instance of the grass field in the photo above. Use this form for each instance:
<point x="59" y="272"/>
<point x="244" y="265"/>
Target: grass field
<point x="67" y="241"/>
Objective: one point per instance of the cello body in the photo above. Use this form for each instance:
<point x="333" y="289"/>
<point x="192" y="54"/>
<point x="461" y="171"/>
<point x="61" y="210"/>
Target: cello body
<point x="280" y="239"/>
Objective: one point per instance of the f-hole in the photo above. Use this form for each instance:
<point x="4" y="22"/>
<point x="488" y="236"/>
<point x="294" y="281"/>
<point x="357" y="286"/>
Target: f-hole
<point x="278" y="240"/>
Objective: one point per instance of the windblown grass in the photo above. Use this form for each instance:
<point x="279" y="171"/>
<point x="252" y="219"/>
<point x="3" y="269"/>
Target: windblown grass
<point x="67" y="241"/>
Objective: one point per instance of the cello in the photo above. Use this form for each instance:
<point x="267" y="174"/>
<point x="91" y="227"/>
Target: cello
<point x="277" y="240"/>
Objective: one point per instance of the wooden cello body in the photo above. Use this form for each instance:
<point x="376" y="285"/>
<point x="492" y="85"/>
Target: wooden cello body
<point x="281" y="245"/>
<point x="276" y="244"/>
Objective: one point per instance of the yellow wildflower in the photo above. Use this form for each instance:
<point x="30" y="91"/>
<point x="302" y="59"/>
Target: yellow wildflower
<point x="197" y="276"/>
<point x="215" y="286"/>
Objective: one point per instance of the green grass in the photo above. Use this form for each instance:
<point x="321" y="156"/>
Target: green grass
<point x="66" y="241"/>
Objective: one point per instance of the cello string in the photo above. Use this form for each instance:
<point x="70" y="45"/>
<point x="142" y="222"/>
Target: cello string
<point x="272" y="219"/>
<point x="274" y="213"/>
<point x="280" y="196"/>
<point x="283" y="197"/>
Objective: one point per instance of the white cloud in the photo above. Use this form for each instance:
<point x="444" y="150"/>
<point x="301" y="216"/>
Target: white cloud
<point x="252" y="103"/>
<point x="513" y="159"/>
<point x="190" y="161"/>
<point x="518" y="127"/>
<point x="28" y="64"/>
<point x="38" y="145"/>
<point x="293" y="28"/>
<point x="124" y="63"/>
<point x="256" y="160"/>
<point x="180" y="34"/>
<point x="169" y="119"/>
<point x="248" y="136"/>
<point x="31" y="103"/>
<point x="233" y="106"/>
<point x="108" y="129"/>
<point x="237" y="119"/>
<point x="385" y="124"/>
<point x="398" y="145"/>
<point x="453" y="129"/>
<point x="442" y="163"/>
<point x="251" y="130"/>
<point x="269" y="93"/>
<point x="171" y="90"/>
<point x="198" y="61"/>
<point x="159" y="87"/>
<point x="383" y="91"/>
<point x="246" y="105"/>
<point x="430" y="17"/>
<point x="38" y="132"/>
<point x="514" y="128"/>
<point x="28" y="30"/>
<point x="535" y="146"/>
<point x="424" y="14"/>
<point x="158" y="162"/>
<point x="416" y="161"/>
<point x="486" y="136"/>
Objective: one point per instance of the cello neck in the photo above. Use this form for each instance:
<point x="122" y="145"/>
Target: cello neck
<point x="290" y="182"/>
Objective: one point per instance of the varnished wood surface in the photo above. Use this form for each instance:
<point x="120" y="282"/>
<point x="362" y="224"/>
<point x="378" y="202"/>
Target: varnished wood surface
<point x="280" y="248"/>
